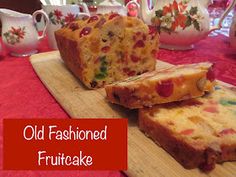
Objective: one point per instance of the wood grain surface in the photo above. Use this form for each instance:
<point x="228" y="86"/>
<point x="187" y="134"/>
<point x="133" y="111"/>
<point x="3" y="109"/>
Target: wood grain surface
<point x="145" y="158"/>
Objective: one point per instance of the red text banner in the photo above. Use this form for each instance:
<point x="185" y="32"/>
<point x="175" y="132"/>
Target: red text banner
<point x="52" y="144"/>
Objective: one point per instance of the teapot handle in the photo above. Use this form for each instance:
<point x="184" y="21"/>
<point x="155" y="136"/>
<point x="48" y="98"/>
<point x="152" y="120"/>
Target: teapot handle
<point x="228" y="9"/>
<point x="85" y="9"/>
<point x="47" y="22"/>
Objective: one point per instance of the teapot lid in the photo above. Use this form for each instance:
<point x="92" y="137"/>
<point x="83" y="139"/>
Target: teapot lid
<point x="110" y="3"/>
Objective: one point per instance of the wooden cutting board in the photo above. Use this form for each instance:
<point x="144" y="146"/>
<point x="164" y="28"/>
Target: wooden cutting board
<point x="145" y="158"/>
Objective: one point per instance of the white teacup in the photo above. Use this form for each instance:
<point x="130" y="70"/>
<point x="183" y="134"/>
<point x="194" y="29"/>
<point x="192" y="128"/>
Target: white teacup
<point x="59" y="16"/>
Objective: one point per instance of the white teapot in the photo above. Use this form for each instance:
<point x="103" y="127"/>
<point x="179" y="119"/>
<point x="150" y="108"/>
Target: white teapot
<point x="111" y="6"/>
<point x="181" y="23"/>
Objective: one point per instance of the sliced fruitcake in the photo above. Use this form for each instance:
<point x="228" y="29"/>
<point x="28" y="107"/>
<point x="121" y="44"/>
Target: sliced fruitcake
<point x="172" y="84"/>
<point x="98" y="50"/>
<point x="198" y="132"/>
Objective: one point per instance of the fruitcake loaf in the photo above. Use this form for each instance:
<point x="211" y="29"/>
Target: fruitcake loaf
<point x="198" y="132"/>
<point x="106" y="48"/>
<point x="162" y="86"/>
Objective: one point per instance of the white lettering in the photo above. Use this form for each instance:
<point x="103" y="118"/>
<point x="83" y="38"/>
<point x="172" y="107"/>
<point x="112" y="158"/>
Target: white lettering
<point x="39" y="156"/>
<point x="51" y="132"/>
<point x="61" y="159"/>
<point x="103" y="134"/>
<point x="32" y="132"/>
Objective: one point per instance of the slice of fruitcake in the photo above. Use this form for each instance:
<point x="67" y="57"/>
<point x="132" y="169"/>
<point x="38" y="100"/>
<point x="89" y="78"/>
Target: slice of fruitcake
<point x="197" y="132"/>
<point x="98" y="50"/>
<point x="162" y="86"/>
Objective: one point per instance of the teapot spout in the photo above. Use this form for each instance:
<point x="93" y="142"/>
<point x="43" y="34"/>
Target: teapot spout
<point x="145" y="13"/>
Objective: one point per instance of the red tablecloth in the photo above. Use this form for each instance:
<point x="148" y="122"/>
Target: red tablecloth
<point x="213" y="49"/>
<point x="22" y="95"/>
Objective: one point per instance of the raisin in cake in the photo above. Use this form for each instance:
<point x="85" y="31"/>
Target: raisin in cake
<point x="198" y="132"/>
<point x="106" y="48"/>
<point x="162" y="86"/>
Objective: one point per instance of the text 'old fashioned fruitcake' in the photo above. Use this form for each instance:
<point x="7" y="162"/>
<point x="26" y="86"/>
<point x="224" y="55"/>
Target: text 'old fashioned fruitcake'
<point x="199" y="132"/>
<point x="106" y="48"/>
<point x="162" y="86"/>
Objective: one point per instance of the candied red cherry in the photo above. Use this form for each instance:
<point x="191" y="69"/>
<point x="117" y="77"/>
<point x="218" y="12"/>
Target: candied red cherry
<point x="100" y="23"/>
<point x="73" y="26"/>
<point x="131" y="73"/>
<point x="227" y="132"/>
<point x="105" y="49"/>
<point x="211" y="74"/>
<point x="187" y="132"/>
<point x="144" y="37"/>
<point x="134" y="58"/>
<point x="165" y="88"/>
<point x="113" y="16"/>
<point x="85" y="31"/>
<point x="139" y="44"/>
<point x="92" y="19"/>
<point x="211" y="109"/>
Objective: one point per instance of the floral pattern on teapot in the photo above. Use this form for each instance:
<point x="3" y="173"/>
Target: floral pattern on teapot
<point x="175" y="15"/>
<point x="14" y="35"/>
<point x="56" y="17"/>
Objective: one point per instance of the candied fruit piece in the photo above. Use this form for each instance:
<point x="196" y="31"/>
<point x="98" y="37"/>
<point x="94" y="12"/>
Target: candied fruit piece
<point x="105" y="49"/>
<point x="113" y="16"/>
<point x="187" y="132"/>
<point x="93" y="18"/>
<point x="73" y="26"/>
<point x="100" y="23"/>
<point x="85" y="31"/>
<point x="227" y="132"/>
<point x="139" y="44"/>
<point x="134" y="58"/>
<point x="211" y="109"/>
<point x="165" y="88"/>
<point x="131" y="73"/>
